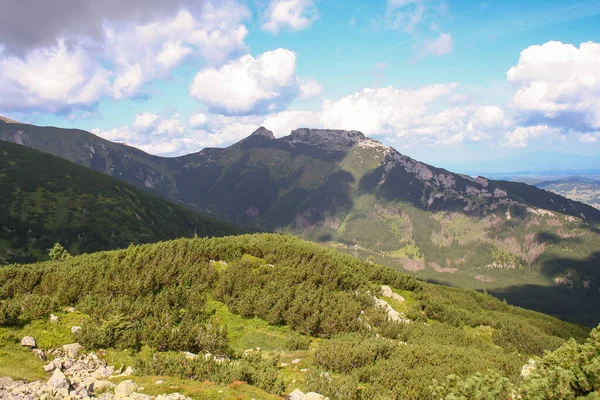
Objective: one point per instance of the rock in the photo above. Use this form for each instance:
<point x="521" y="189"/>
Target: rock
<point x="296" y="361"/>
<point x="190" y="356"/>
<point x="128" y="371"/>
<point x="49" y="367"/>
<point x="28" y="341"/>
<point x="387" y="291"/>
<point x="71" y="309"/>
<point x="296" y="395"/>
<point x="72" y="350"/>
<point x="283" y="365"/>
<point x="159" y="382"/>
<point x="103" y="372"/>
<point x="6" y="381"/>
<point x="75" y="329"/>
<point x="125" y="388"/>
<point x="314" y="396"/>
<point x="40" y="353"/>
<point x="53" y="318"/>
<point x="59" y="380"/>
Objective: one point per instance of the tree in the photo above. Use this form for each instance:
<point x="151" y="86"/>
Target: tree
<point x="59" y="253"/>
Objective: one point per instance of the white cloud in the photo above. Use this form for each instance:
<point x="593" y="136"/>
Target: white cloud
<point x="405" y="15"/>
<point x="76" y="74"/>
<point x="51" y="80"/>
<point x="289" y="14"/>
<point x="559" y="85"/>
<point x="310" y="88"/>
<point x="439" y="46"/>
<point x="521" y="135"/>
<point x="251" y="85"/>
<point x="146" y="122"/>
<point x="197" y="120"/>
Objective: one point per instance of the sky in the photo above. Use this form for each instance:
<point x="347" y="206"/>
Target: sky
<point x="447" y="82"/>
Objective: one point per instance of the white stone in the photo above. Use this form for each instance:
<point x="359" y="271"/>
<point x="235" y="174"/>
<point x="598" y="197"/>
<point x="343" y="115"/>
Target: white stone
<point x="59" y="380"/>
<point x="125" y="388"/>
<point x="28" y="341"/>
<point x="53" y="318"/>
<point x="72" y="350"/>
<point x="296" y="361"/>
<point x="296" y="395"/>
<point x="75" y="329"/>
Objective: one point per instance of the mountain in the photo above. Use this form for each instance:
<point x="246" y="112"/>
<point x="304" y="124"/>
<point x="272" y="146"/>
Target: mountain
<point x="521" y="243"/>
<point x="261" y="316"/>
<point x="580" y="188"/>
<point x="46" y="199"/>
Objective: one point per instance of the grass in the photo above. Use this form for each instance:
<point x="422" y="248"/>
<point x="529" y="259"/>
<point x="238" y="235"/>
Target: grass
<point x="247" y="333"/>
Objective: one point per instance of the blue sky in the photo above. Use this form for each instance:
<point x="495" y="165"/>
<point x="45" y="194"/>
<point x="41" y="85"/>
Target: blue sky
<point x="447" y="82"/>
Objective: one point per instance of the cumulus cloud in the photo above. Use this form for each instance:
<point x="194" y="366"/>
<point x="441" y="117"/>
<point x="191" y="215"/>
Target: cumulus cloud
<point x="51" y="80"/>
<point x="289" y="14"/>
<point x="521" y="135"/>
<point x="559" y="85"/>
<point x="23" y="29"/>
<point x="77" y="72"/>
<point x="439" y="46"/>
<point x="251" y="85"/>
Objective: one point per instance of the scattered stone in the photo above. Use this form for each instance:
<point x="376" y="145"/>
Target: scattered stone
<point x="128" y="371"/>
<point x="70" y="309"/>
<point x="125" y="388"/>
<point x="40" y="353"/>
<point x="314" y="396"/>
<point x="283" y="365"/>
<point x="72" y="350"/>
<point x="296" y="395"/>
<point x="75" y="329"/>
<point x="28" y="341"/>
<point x="159" y="382"/>
<point x="53" y="318"/>
<point x="296" y="361"/>
<point x="49" y="367"/>
<point x="59" y="380"/>
<point x="190" y="356"/>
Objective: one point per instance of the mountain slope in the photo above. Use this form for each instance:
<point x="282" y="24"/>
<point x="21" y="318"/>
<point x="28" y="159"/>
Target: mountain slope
<point x="530" y="246"/>
<point x="46" y="199"/>
<point x="278" y="313"/>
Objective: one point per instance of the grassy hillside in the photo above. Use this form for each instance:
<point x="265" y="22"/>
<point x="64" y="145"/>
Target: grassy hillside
<point x="46" y="200"/>
<point x="521" y="243"/>
<point x="296" y="301"/>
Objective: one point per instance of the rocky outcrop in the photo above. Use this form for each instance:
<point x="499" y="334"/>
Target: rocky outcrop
<point x="76" y="376"/>
<point x="387" y="291"/>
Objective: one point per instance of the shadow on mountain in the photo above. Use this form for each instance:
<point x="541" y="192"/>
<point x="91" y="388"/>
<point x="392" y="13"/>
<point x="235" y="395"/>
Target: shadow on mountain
<point x="553" y="238"/>
<point x="582" y="307"/>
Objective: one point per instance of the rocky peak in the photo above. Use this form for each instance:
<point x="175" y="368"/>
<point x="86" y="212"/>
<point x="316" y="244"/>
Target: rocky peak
<point x="8" y="120"/>
<point x="326" y="137"/>
<point x="263" y="132"/>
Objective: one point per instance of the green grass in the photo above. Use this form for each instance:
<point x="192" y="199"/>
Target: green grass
<point x="247" y="333"/>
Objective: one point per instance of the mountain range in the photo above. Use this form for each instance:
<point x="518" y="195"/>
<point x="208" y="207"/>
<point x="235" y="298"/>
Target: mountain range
<point x="46" y="199"/>
<point x="533" y="247"/>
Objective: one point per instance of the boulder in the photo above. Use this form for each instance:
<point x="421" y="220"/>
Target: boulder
<point x="296" y="395"/>
<point x="72" y="350"/>
<point x="59" y="380"/>
<point x="49" y="367"/>
<point x="125" y="388"/>
<point x="40" y="353"/>
<point x="28" y="341"/>
<point x="314" y="396"/>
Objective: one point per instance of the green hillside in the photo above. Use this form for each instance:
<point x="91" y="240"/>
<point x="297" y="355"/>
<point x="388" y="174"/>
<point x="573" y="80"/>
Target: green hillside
<point x="46" y="200"/>
<point x="299" y="302"/>
<point x="529" y="246"/>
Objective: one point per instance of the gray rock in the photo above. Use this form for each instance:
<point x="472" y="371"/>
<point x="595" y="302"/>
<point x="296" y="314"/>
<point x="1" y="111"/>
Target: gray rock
<point x="53" y="318"/>
<point x="314" y="396"/>
<point x="75" y="329"/>
<point x="28" y="341"/>
<point x="125" y="389"/>
<point x="296" y="395"/>
<point x="49" y="367"/>
<point x="59" y="380"/>
<point x="128" y="371"/>
<point x="72" y="350"/>
<point x="40" y="353"/>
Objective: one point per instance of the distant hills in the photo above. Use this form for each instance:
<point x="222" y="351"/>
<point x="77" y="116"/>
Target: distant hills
<point x="46" y="199"/>
<point x="531" y="246"/>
